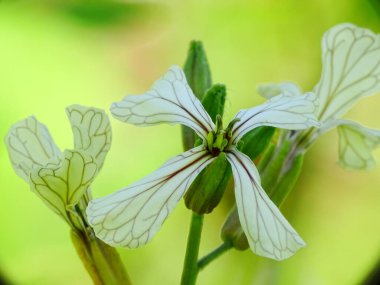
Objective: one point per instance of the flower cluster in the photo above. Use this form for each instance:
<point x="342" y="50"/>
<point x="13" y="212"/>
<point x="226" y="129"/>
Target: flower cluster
<point x="350" y="72"/>
<point x="131" y="216"/>
<point x="61" y="180"/>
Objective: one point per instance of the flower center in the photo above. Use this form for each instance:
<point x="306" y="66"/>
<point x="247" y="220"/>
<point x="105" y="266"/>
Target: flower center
<point x="220" y="139"/>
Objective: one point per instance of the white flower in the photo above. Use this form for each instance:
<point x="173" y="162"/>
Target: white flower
<point x="350" y="71"/>
<point x="60" y="179"/>
<point x="131" y="216"/>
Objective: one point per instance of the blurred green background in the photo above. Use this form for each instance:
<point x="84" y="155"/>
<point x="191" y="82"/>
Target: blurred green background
<point x="56" y="53"/>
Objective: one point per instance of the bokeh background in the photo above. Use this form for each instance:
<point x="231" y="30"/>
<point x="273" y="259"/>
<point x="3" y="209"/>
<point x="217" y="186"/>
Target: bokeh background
<point x="56" y="53"/>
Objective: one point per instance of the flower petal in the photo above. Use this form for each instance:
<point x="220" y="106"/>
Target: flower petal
<point x="270" y="90"/>
<point x="92" y="131"/>
<point x="169" y="101"/>
<point x="356" y="144"/>
<point x="283" y="111"/>
<point x="29" y="144"/>
<point x="351" y="69"/>
<point x="131" y="216"/>
<point x="61" y="184"/>
<point x="268" y="232"/>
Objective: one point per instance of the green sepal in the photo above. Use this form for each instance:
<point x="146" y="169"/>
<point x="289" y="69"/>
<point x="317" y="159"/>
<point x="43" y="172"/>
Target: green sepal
<point x="198" y="76"/>
<point x="208" y="188"/>
<point x="271" y="173"/>
<point x="232" y="232"/>
<point x="266" y="158"/>
<point x="256" y="141"/>
<point x="287" y="181"/>
<point x="198" y="142"/>
<point x="214" y="99"/>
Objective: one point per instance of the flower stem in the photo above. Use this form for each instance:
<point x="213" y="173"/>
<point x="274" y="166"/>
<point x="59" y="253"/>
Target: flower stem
<point x="101" y="261"/>
<point x="204" y="261"/>
<point x="190" y="267"/>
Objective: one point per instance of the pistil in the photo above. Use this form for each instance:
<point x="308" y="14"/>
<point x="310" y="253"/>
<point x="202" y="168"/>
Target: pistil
<point x="219" y="139"/>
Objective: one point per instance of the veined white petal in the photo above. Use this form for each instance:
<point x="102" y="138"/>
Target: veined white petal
<point x="92" y="131"/>
<point x="169" y="101"/>
<point x="270" y="90"/>
<point x="350" y="69"/>
<point x="356" y="144"/>
<point x="60" y="184"/>
<point x="283" y="111"/>
<point x="268" y="232"/>
<point x="131" y="216"/>
<point x="29" y="144"/>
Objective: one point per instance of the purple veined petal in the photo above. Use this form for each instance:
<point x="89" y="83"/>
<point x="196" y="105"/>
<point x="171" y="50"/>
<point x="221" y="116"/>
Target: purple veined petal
<point x="29" y="144"/>
<point x="350" y="69"/>
<point x="131" y="216"/>
<point x="170" y="100"/>
<point x="269" y="234"/>
<point x="283" y="111"/>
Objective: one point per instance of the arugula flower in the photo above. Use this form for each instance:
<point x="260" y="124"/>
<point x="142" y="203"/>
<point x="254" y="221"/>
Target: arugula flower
<point x="350" y="72"/>
<point x="61" y="180"/>
<point x="131" y="216"/>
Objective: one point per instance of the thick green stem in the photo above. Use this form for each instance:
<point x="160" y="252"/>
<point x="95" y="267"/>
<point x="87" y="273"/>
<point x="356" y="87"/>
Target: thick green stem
<point x="84" y="254"/>
<point x="204" y="261"/>
<point x="101" y="261"/>
<point x="190" y="267"/>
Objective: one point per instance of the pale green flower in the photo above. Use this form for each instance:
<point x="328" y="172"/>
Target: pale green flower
<point x="61" y="180"/>
<point x="350" y="72"/>
<point x="131" y="216"/>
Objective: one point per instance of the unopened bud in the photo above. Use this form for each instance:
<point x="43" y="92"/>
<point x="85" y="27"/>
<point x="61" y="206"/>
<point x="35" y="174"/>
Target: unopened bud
<point x="232" y="231"/>
<point x="213" y="101"/>
<point x="287" y="180"/>
<point x="208" y="188"/>
<point x="256" y="141"/>
<point x="198" y="76"/>
<point x="197" y="70"/>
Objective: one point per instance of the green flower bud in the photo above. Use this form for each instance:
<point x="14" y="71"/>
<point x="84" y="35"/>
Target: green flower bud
<point x="197" y="70"/>
<point x="198" y="76"/>
<point x="214" y="100"/>
<point x="271" y="173"/>
<point x="256" y="141"/>
<point x="208" y="188"/>
<point x="232" y="231"/>
<point x="219" y="142"/>
<point x="287" y="181"/>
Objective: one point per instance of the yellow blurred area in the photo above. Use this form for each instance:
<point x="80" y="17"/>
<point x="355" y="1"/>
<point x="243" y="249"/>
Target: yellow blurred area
<point x="56" y="53"/>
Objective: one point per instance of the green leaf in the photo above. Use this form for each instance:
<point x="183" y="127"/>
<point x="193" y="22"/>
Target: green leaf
<point x="107" y="12"/>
